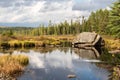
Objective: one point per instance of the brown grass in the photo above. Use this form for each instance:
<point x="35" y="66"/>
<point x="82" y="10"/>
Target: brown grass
<point x="12" y="64"/>
<point x="112" y="43"/>
<point x="34" y="41"/>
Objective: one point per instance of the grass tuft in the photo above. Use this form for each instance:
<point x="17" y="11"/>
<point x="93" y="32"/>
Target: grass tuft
<point x="12" y="64"/>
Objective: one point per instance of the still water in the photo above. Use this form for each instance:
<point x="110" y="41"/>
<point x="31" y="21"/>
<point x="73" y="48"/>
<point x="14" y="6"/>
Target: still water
<point x="58" y="63"/>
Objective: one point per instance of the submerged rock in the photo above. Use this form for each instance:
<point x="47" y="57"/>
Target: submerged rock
<point x="71" y="76"/>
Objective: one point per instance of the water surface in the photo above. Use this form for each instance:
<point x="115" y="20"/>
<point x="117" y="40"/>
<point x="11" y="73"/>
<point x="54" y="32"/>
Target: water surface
<point x="58" y="63"/>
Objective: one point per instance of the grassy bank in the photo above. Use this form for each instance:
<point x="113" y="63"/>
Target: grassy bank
<point x="39" y="41"/>
<point x="111" y="43"/>
<point x="11" y="65"/>
<point x="42" y="41"/>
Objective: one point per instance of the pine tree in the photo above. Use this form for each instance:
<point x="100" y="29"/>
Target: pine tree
<point x="114" y="19"/>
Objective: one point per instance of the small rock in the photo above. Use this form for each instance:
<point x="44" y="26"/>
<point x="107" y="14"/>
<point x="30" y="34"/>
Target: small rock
<point x="71" y="76"/>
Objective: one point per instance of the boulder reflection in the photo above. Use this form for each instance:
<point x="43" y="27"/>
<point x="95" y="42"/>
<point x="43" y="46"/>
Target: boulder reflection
<point x="88" y="52"/>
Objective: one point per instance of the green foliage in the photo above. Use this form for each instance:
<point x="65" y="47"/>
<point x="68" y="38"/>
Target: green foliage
<point x="99" y="20"/>
<point x="114" y="20"/>
<point x="110" y="58"/>
<point x="8" y="33"/>
<point x="63" y="28"/>
<point x="96" y="22"/>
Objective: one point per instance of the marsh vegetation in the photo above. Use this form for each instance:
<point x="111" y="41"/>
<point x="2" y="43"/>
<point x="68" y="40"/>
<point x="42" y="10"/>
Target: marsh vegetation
<point x="11" y="65"/>
<point x="43" y="38"/>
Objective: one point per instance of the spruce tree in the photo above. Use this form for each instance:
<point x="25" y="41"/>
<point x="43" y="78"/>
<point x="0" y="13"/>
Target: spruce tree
<point x="114" y="19"/>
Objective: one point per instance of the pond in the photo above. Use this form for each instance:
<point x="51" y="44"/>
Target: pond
<point x="58" y="63"/>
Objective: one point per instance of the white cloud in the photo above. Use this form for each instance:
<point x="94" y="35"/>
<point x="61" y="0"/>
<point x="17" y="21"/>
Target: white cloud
<point x="41" y="11"/>
<point x="21" y="13"/>
<point x="108" y="8"/>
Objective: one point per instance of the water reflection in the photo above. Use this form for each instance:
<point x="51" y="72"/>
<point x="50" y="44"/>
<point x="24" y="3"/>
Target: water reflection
<point x="57" y="63"/>
<point x="87" y="53"/>
<point x="89" y="71"/>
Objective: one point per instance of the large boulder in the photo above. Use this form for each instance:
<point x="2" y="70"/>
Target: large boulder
<point x="88" y="39"/>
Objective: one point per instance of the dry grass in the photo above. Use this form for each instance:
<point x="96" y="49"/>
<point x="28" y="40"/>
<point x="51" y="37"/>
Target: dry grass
<point x="11" y="68"/>
<point x="37" y="38"/>
<point x="61" y="37"/>
<point x="112" y="43"/>
<point x="12" y="64"/>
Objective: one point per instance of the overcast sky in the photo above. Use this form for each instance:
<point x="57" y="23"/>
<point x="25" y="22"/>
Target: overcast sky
<point x="34" y="12"/>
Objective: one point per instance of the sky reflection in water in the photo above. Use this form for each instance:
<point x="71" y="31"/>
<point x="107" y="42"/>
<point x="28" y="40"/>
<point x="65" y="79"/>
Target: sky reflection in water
<point x="56" y="65"/>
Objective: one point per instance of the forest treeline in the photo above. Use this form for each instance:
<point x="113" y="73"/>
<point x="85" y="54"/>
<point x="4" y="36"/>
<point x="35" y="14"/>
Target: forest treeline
<point x="101" y="21"/>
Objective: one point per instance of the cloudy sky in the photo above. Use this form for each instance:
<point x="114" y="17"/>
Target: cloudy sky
<point x="34" y="12"/>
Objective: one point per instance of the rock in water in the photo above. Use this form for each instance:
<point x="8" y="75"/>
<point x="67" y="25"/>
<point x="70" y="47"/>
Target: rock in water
<point x="71" y="76"/>
<point x="88" y="39"/>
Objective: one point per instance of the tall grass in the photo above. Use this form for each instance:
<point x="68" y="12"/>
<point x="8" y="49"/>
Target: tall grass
<point x="12" y="64"/>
